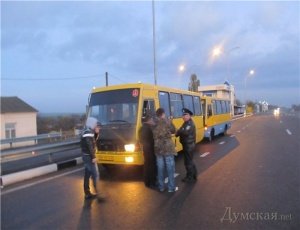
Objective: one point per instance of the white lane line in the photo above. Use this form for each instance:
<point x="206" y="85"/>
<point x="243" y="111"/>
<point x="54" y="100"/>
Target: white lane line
<point x="39" y="182"/>
<point x="288" y="132"/>
<point x="222" y="143"/>
<point x="204" y="154"/>
<point x="175" y="175"/>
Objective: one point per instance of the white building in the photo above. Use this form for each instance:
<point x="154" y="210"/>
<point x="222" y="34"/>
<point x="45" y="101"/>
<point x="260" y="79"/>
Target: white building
<point x="263" y="106"/>
<point x="225" y="91"/>
<point x="18" y="119"/>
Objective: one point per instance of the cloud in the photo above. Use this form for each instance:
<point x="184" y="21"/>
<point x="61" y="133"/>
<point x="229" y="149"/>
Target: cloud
<point x="49" y="39"/>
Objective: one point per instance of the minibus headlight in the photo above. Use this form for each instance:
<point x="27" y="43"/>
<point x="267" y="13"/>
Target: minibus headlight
<point x="129" y="159"/>
<point x="129" y="147"/>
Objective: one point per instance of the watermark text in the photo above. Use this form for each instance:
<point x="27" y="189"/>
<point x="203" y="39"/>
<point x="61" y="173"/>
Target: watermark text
<point x="233" y="217"/>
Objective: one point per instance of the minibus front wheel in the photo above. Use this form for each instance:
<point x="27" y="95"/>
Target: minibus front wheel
<point x="212" y="135"/>
<point x="225" y="130"/>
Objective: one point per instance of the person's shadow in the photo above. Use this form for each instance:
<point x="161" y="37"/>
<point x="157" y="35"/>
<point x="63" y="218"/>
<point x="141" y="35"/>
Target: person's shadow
<point x="85" y="221"/>
<point x="85" y="216"/>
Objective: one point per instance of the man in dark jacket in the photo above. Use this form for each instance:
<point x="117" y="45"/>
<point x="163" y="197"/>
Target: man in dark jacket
<point x="88" y="149"/>
<point x="147" y="141"/>
<point x="187" y="134"/>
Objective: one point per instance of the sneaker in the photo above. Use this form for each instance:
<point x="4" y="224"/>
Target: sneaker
<point x="174" y="190"/>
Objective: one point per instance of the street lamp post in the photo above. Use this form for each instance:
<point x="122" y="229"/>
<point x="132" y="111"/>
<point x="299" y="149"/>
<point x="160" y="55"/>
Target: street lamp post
<point x="183" y="68"/>
<point x="218" y="51"/>
<point x="154" y="43"/>
<point x="250" y="73"/>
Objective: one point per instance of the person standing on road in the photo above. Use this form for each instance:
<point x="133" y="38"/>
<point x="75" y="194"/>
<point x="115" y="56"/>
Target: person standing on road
<point x="164" y="149"/>
<point x="147" y="141"/>
<point x="187" y="134"/>
<point x="88" y="149"/>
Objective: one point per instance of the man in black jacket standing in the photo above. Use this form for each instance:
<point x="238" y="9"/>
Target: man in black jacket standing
<point x="88" y="148"/>
<point x="146" y="139"/>
<point x="187" y="134"/>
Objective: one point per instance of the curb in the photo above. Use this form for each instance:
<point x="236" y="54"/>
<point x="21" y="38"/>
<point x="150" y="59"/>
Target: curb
<point x="39" y="171"/>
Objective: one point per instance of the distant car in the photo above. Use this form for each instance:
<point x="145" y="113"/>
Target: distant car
<point x="276" y="112"/>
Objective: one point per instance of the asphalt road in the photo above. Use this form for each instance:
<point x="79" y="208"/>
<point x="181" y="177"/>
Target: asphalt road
<point x="248" y="179"/>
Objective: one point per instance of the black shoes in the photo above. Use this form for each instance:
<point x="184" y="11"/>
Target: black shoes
<point x="189" y="179"/>
<point x="90" y="196"/>
<point x="99" y="197"/>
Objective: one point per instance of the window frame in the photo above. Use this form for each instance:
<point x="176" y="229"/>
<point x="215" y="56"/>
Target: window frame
<point x="177" y="103"/>
<point x="167" y="107"/>
<point x="191" y="102"/>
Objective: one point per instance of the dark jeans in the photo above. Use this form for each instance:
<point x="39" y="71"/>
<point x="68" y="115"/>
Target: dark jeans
<point x="188" y="153"/>
<point x="90" y="171"/>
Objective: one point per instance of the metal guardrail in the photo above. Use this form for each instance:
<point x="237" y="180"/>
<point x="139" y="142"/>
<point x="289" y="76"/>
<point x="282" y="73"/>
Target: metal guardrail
<point x="29" y="138"/>
<point x="26" y="152"/>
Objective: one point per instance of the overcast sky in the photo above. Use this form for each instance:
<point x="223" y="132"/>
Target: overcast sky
<point x="53" y="53"/>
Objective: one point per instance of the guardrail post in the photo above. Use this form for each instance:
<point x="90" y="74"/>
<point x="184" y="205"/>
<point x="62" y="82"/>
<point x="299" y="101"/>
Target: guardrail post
<point x="50" y="157"/>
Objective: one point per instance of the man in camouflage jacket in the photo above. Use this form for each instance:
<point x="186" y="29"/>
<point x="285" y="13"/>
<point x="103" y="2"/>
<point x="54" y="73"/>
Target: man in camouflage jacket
<point x="164" y="149"/>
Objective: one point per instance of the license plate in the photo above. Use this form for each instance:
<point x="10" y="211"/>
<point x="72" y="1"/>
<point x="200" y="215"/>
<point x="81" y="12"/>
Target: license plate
<point x="106" y="158"/>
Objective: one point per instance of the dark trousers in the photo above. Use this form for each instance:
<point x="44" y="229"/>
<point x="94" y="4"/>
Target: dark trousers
<point x="150" y="168"/>
<point x="188" y="153"/>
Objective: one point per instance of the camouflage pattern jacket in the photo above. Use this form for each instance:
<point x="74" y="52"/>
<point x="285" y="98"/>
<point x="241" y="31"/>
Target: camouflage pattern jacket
<point x="162" y="133"/>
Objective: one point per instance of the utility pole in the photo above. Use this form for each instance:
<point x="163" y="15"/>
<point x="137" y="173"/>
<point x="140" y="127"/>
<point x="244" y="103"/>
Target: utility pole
<point x="106" y="78"/>
<point x="154" y="44"/>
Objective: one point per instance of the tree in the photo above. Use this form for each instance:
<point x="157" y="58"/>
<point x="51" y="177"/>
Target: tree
<point x="194" y="83"/>
<point x="250" y="105"/>
<point x="238" y="102"/>
<point x="46" y="124"/>
<point x="296" y="107"/>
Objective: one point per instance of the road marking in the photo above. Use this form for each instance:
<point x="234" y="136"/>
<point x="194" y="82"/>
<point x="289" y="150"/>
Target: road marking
<point x="175" y="175"/>
<point x="40" y="181"/>
<point x="222" y="143"/>
<point x="204" y="154"/>
<point x="289" y="132"/>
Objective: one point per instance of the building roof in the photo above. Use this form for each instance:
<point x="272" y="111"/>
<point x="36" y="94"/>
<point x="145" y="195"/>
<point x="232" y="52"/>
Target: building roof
<point x="15" y="105"/>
